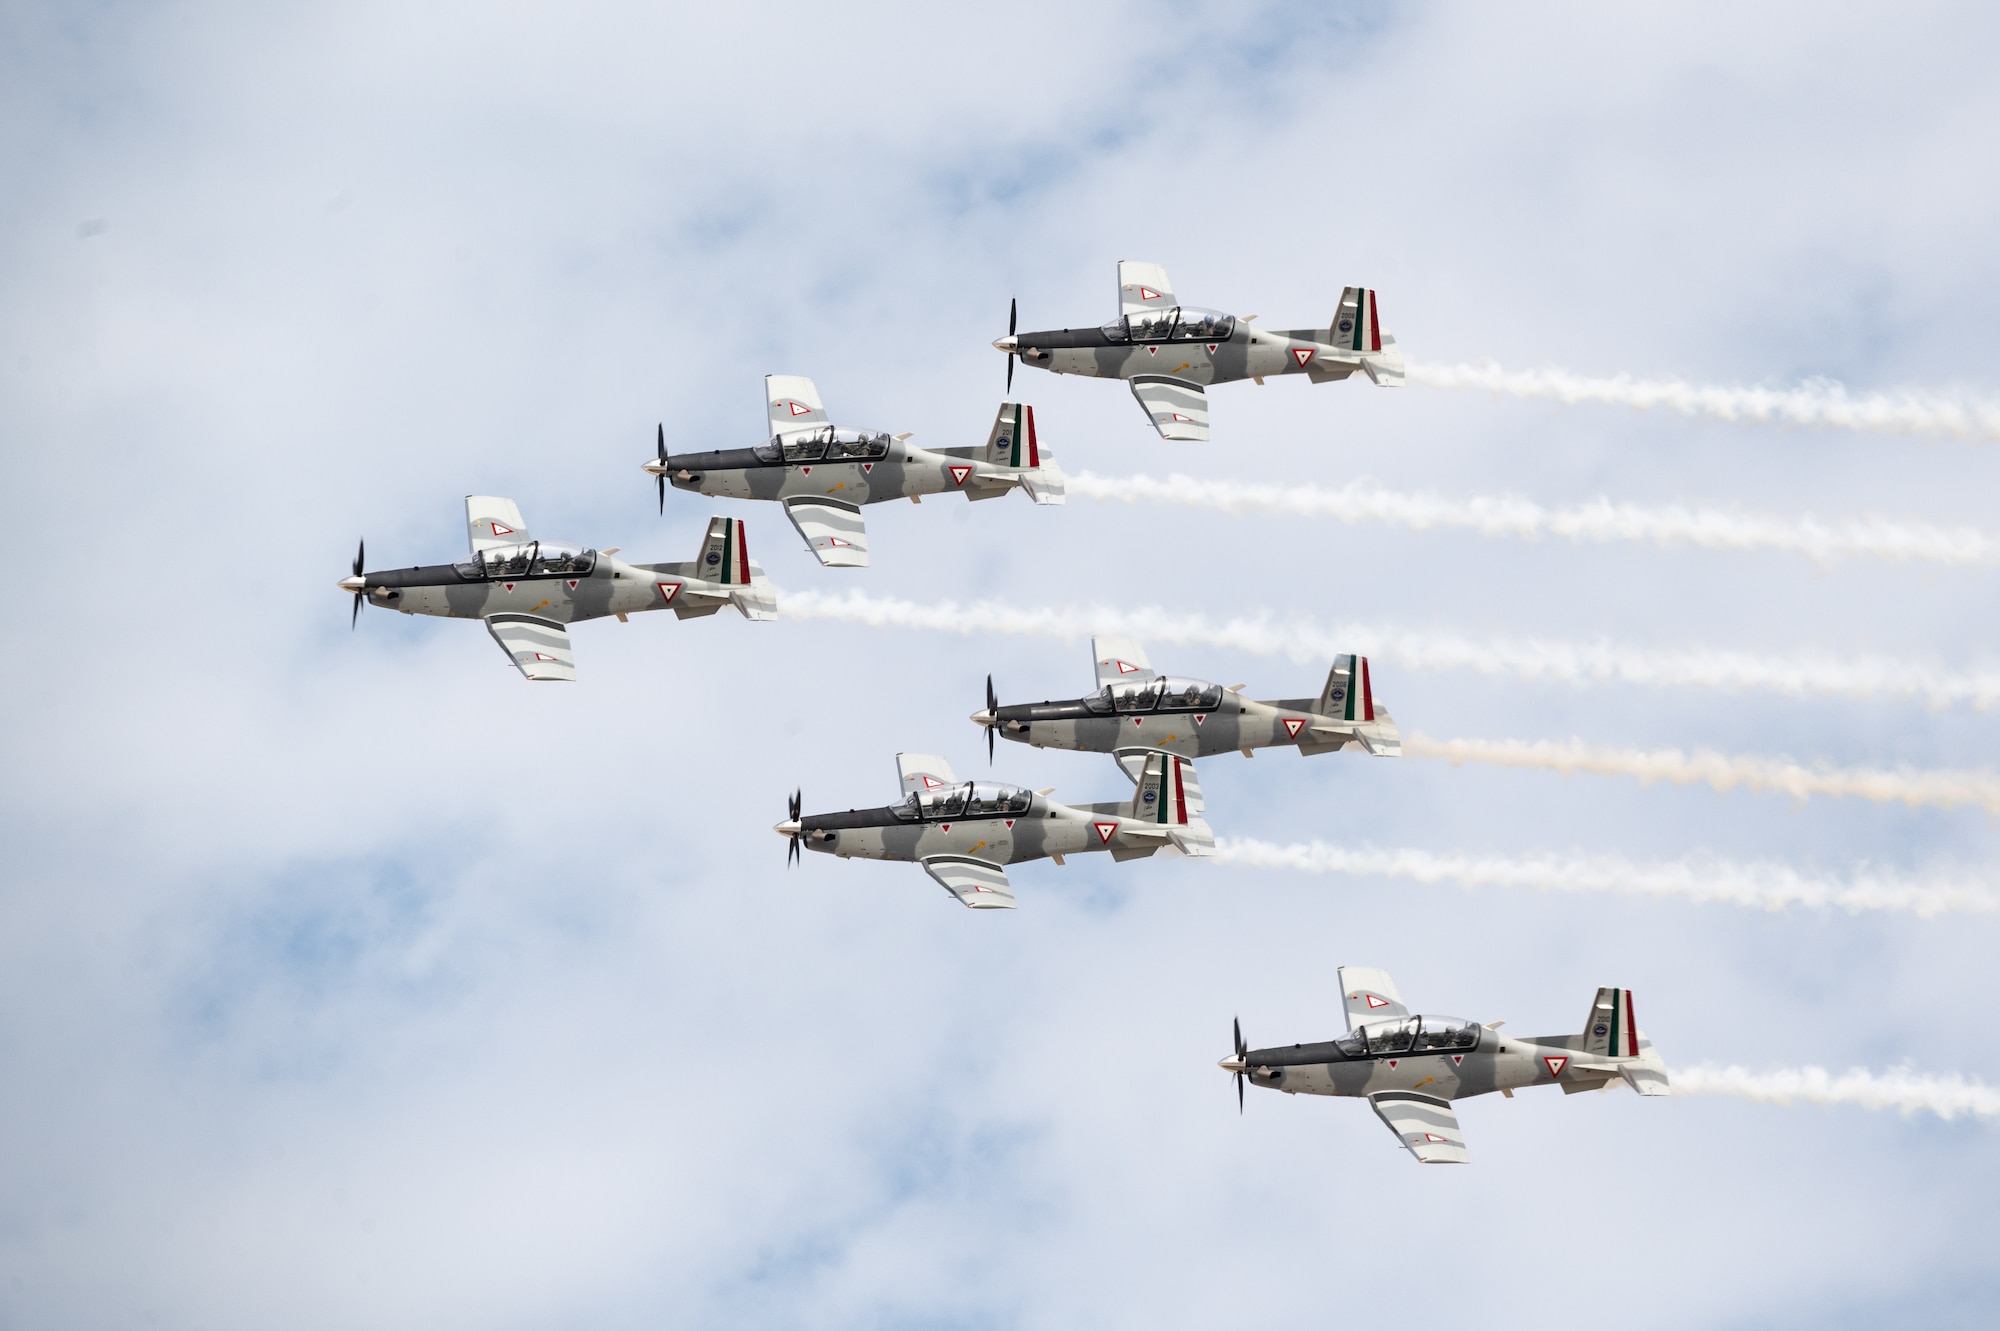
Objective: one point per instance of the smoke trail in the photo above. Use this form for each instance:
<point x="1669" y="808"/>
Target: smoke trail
<point x="1600" y="520"/>
<point x="1536" y="660"/>
<point x="1936" y="789"/>
<point x="1816" y="402"/>
<point x="1758" y="884"/>
<point x="1899" y="1088"/>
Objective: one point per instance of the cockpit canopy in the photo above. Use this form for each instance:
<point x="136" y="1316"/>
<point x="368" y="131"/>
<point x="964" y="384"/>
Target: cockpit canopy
<point x="520" y="561"/>
<point x="1185" y="323"/>
<point x="829" y="445"/>
<point x="1427" y="1034"/>
<point x="973" y="799"/>
<point x="1168" y="693"/>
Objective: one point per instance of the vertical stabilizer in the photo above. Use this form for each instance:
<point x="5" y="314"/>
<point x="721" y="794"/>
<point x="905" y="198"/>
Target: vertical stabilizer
<point x="1356" y="325"/>
<point x="1611" y="1031"/>
<point x="1350" y="691"/>
<point x="725" y="553"/>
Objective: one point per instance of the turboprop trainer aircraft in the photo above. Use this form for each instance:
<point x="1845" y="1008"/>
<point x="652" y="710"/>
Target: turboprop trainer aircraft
<point x="823" y="474"/>
<point x="1170" y="352"/>
<point x="527" y="590"/>
<point x="1135" y="712"/>
<point x="965" y="833"/>
<point x="1410" y="1069"/>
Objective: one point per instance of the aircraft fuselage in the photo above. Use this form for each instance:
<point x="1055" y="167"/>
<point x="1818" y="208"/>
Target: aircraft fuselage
<point x="1496" y="1063"/>
<point x="1043" y="829"/>
<point x="1247" y="353"/>
<point x="1231" y="723"/>
<point x="905" y="471"/>
<point x="611" y="587"/>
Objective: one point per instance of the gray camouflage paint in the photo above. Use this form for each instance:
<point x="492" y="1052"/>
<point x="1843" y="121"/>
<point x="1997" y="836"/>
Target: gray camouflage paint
<point x="612" y="587"/>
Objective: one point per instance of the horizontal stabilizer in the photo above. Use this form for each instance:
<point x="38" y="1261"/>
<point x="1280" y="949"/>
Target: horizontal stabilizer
<point x="978" y="884"/>
<point x="832" y="529"/>
<point x="1177" y="408"/>
<point x="539" y="648"/>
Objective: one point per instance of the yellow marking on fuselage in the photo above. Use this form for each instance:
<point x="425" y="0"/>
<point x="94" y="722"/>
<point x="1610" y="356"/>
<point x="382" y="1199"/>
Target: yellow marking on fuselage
<point x="1182" y="366"/>
<point x="1425" y="1082"/>
<point x="980" y="846"/>
<point x="545" y="601"/>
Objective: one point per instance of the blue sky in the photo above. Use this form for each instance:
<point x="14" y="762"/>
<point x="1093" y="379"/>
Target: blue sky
<point x="345" y="979"/>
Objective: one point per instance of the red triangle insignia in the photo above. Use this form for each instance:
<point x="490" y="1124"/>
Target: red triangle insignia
<point x="805" y="471"/>
<point x="1302" y="355"/>
<point x="1152" y="351"/>
<point x="668" y="590"/>
<point x="1394" y="1061"/>
<point x="1010" y="822"/>
<point x="1105" y="831"/>
<point x="1211" y="348"/>
<point x="499" y="530"/>
<point x="1126" y="667"/>
<point x="543" y="656"/>
<point x="931" y="783"/>
<point x="1457" y="1059"/>
<point x="1556" y="1062"/>
<point x="945" y="826"/>
<point x="1432" y="1137"/>
<point x="1376" y="1000"/>
<point x="1200" y="717"/>
<point x="799" y="409"/>
<point x="835" y="540"/>
<point x="508" y="585"/>
<point x="958" y="474"/>
<point x="1147" y="293"/>
<point x="572" y="583"/>
<point x="1293" y="725"/>
<point x="1179" y="417"/>
<point x="867" y="467"/>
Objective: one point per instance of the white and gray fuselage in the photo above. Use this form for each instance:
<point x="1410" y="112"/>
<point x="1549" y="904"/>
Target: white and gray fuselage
<point x="1445" y="1058"/>
<point x="981" y="820"/>
<point x="1186" y="716"/>
<point x="853" y="466"/>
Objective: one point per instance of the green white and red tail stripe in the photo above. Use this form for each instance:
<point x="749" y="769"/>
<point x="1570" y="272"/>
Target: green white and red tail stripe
<point x="1025" y="443"/>
<point x="1364" y="333"/>
<point x="726" y="538"/>
<point x="1623" y="1040"/>
<point x="1360" y="703"/>
<point x="1171" y="808"/>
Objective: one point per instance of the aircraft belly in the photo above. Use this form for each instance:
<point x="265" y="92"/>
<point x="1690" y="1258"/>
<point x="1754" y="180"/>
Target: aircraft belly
<point x="465" y="601"/>
<point x="1427" y="1074"/>
<point x="842" y="480"/>
<point x="544" y="598"/>
<point x="987" y="839"/>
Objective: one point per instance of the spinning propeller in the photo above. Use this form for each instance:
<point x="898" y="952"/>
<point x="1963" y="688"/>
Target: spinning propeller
<point x="356" y="584"/>
<point x="1013" y="308"/>
<point x="791" y="830"/>
<point x="1238" y="1065"/>
<point x="661" y="474"/>
<point x="992" y="710"/>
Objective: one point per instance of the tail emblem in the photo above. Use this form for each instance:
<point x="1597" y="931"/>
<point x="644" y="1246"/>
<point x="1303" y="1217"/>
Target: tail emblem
<point x="1302" y="355"/>
<point x="958" y="474"/>
<point x="1105" y="831"/>
<point x="1556" y="1063"/>
<point x="1293" y="725"/>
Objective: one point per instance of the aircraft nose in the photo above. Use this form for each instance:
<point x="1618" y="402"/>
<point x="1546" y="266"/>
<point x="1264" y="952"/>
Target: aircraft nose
<point x="982" y="719"/>
<point x="352" y="583"/>
<point x="1231" y="1064"/>
<point x="790" y="827"/>
<point x="657" y="467"/>
<point x="1009" y="344"/>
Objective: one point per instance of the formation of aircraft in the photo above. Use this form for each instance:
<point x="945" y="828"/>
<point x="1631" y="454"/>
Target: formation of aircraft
<point x="1169" y="353"/>
<point x="966" y="833"/>
<point x="823" y="473"/>
<point x="1135" y="711"/>
<point x="528" y="591"/>
<point x="1411" y="1069"/>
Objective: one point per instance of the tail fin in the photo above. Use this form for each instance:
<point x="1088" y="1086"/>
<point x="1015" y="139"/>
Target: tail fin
<point x="1169" y="796"/>
<point x="1350" y="692"/>
<point x="1611" y="1031"/>
<point x="1013" y="444"/>
<point x="725" y="559"/>
<point x="1357" y="327"/>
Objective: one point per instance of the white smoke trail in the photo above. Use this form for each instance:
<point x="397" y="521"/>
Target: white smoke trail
<point x="1599" y="520"/>
<point x="1532" y="659"/>
<point x="1935" y="788"/>
<point x="1816" y="402"/>
<point x="1757" y="884"/>
<point x="1899" y="1088"/>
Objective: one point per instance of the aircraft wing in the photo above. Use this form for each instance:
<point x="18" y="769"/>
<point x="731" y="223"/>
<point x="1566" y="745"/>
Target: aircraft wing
<point x="1425" y="1125"/>
<point x="1179" y="409"/>
<point x="924" y="773"/>
<point x="1120" y="660"/>
<point x="1143" y="286"/>
<point x="539" y="648"/>
<point x="978" y="884"/>
<point x="1370" y="995"/>
<point x="492" y="521"/>
<point x="832" y="528"/>
<point x="793" y="403"/>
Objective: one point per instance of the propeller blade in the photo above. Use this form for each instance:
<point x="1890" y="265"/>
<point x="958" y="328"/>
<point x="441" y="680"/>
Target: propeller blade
<point x="992" y="710"/>
<point x="1239" y="1093"/>
<point x="1010" y="374"/>
<point x="1236" y="1028"/>
<point x="360" y="556"/>
<point x="792" y="805"/>
<point x="355" y="618"/>
<point x="662" y="445"/>
<point x="1013" y="308"/>
<point x="1241" y="1048"/>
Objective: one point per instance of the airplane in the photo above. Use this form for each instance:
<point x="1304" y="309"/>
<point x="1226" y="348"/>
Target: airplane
<point x="965" y="833"/>
<point x="527" y="590"/>
<point x="1170" y="352"/>
<point x="823" y="474"/>
<point x="1135" y="712"/>
<point x="1411" y="1068"/>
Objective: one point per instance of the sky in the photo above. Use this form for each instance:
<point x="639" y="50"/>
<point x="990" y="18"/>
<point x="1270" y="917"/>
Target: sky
<point x="347" y="979"/>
